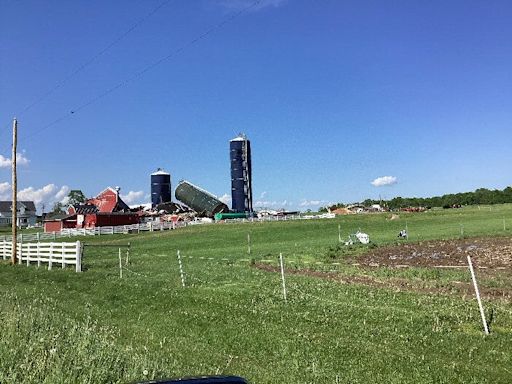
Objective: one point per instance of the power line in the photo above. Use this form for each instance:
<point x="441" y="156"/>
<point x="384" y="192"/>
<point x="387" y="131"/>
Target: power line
<point x="87" y="63"/>
<point x="149" y="67"/>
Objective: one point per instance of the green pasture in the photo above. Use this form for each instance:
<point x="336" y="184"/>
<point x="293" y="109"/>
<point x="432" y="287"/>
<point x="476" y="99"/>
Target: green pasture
<point x="94" y="327"/>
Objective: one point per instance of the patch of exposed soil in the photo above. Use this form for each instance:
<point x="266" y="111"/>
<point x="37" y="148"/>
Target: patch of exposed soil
<point x="491" y="253"/>
<point x="396" y="284"/>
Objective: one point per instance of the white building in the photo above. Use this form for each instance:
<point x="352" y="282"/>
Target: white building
<point x="26" y="213"/>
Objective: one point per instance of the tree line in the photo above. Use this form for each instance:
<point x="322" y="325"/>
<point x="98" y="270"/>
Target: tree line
<point x="480" y="196"/>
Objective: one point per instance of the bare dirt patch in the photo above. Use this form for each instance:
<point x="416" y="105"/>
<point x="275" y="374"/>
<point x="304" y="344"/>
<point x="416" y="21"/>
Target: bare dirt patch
<point x="491" y="253"/>
<point x="396" y="284"/>
<point x="492" y="257"/>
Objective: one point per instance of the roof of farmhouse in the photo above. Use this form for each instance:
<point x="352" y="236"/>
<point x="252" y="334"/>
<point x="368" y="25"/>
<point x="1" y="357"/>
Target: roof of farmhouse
<point x="5" y="206"/>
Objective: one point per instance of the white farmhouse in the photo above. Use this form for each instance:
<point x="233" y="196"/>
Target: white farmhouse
<point x="26" y="213"/>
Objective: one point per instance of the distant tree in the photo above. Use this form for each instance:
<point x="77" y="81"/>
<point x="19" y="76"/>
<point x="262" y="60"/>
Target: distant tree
<point x="76" y="196"/>
<point x="58" y="207"/>
<point x="480" y="196"/>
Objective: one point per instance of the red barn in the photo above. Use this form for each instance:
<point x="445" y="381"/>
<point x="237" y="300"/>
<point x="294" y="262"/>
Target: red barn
<point x="106" y="209"/>
<point x="58" y="222"/>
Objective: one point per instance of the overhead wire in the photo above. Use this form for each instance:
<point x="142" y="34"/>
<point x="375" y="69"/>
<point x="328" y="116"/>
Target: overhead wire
<point x="87" y="63"/>
<point x="149" y="67"/>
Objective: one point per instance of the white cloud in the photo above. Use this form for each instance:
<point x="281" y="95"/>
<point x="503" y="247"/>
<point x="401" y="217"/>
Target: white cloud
<point x="133" y="197"/>
<point x="384" y="180"/>
<point x="47" y="195"/>
<point x="272" y="204"/>
<point x="226" y="199"/>
<point x="312" y="203"/>
<point x="263" y="194"/>
<point x="5" y="162"/>
<point x="62" y="195"/>
<point x="250" y="5"/>
<point x="39" y="195"/>
<point x="4" y="187"/>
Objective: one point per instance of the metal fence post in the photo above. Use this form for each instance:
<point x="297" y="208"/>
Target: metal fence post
<point x="477" y="292"/>
<point x="282" y="275"/>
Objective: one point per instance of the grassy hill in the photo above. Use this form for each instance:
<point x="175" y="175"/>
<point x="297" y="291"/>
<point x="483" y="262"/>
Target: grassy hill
<point x="344" y="321"/>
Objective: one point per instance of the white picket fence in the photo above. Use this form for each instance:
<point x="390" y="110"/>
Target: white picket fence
<point x="61" y="254"/>
<point x="281" y="218"/>
<point x="144" y="227"/>
<point x="69" y="232"/>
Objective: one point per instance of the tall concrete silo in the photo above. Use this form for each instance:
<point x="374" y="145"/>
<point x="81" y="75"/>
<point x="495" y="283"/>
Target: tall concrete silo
<point x="241" y="174"/>
<point x="160" y="187"/>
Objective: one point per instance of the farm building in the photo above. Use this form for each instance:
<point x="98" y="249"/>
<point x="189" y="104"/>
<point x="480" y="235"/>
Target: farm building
<point x="106" y="209"/>
<point x="26" y="213"/>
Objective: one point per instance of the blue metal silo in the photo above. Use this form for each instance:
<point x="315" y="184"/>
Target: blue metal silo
<point x="160" y="187"/>
<point x="241" y="174"/>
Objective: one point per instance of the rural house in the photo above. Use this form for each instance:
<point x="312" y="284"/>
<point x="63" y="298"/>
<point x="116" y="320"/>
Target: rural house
<point x="26" y="213"/>
<point x="106" y="209"/>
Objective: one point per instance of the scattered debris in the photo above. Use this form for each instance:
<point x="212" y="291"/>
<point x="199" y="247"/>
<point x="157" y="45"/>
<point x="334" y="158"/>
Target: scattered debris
<point x="360" y="237"/>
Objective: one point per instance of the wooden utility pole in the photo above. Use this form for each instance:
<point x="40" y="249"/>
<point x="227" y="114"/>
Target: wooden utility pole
<point x="14" y="191"/>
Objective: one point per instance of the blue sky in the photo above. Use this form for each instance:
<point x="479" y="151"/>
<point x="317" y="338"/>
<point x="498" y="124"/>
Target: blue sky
<point x="333" y="95"/>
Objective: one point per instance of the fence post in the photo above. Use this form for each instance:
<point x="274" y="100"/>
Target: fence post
<point x="477" y="292"/>
<point x="78" y="257"/>
<point x="20" y="245"/>
<point x="38" y="254"/>
<point x="29" y="248"/>
<point x="120" y="265"/>
<point x="50" y="262"/>
<point x="128" y="254"/>
<point x="282" y="275"/>
<point x="54" y="235"/>
<point x="249" y="243"/>
<point x="62" y="254"/>
<point x="339" y="233"/>
<point x="181" y="269"/>
<point x="37" y="236"/>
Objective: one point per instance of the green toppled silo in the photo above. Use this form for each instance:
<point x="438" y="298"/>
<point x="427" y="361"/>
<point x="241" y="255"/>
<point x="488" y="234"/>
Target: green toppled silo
<point x="201" y="201"/>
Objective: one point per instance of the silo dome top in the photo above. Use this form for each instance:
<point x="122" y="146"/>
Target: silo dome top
<point x="240" y="137"/>
<point x="159" y="171"/>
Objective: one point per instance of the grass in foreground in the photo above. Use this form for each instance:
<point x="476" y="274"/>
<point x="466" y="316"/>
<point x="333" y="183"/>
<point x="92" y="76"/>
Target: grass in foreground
<point x="62" y="327"/>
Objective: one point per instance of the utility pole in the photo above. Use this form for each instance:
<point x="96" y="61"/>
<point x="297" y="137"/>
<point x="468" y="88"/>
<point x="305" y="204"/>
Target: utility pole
<point x="14" y="191"/>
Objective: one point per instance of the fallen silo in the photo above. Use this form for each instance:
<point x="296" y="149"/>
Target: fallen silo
<point x="201" y="201"/>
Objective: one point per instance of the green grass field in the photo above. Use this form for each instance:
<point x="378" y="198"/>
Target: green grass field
<point x="61" y="327"/>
